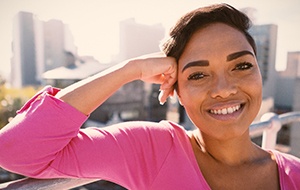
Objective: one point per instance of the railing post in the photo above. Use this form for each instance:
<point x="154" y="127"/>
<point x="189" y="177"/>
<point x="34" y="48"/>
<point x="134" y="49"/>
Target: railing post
<point x="270" y="134"/>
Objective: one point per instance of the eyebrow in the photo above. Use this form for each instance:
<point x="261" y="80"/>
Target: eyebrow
<point x="236" y="55"/>
<point x="205" y="63"/>
<point x="201" y="63"/>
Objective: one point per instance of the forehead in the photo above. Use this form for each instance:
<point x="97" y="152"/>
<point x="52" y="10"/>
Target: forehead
<point x="216" y="41"/>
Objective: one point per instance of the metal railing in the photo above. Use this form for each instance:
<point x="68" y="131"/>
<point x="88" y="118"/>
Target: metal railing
<point x="268" y="127"/>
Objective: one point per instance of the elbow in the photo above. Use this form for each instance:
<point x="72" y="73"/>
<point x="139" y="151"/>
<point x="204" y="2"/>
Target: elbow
<point x="8" y="147"/>
<point x="12" y="148"/>
<point x="15" y="159"/>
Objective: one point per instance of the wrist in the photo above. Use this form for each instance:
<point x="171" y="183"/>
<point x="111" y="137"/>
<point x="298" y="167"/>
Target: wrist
<point x="133" y="70"/>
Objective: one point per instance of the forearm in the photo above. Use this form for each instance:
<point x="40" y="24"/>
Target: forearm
<point x="48" y="122"/>
<point x="89" y="93"/>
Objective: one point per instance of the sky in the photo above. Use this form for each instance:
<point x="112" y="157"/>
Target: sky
<point x="94" y="23"/>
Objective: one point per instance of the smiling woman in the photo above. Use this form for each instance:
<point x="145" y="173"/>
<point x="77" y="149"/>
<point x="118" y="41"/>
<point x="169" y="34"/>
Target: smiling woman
<point x="211" y="63"/>
<point x="229" y="80"/>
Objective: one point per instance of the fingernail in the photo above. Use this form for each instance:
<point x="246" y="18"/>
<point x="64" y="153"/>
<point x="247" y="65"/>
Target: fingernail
<point x="160" y="96"/>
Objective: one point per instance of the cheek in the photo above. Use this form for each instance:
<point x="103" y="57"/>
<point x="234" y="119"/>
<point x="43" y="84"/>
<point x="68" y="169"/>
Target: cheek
<point x="254" y="85"/>
<point x="189" y="95"/>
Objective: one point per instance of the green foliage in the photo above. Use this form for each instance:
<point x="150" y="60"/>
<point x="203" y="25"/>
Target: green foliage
<point x="11" y="100"/>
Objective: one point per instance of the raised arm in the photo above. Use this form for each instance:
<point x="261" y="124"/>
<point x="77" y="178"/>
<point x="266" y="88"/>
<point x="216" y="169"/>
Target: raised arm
<point x="46" y="135"/>
<point x="88" y="94"/>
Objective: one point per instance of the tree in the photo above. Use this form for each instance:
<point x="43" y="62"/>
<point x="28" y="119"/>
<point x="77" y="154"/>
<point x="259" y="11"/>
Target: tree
<point x="11" y="100"/>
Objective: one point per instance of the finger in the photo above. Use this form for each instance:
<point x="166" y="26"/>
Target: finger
<point x="161" y="97"/>
<point x="158" y="79"/>
<point x="164" y="94"/>
<point x="168" y="82"/>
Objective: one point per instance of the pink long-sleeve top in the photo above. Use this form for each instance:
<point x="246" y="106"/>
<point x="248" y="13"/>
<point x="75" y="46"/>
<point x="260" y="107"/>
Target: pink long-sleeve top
<point x="45" y="141"/>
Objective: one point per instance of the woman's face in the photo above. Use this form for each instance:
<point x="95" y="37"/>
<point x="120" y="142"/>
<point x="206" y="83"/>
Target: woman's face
<point x="219" y="81"/>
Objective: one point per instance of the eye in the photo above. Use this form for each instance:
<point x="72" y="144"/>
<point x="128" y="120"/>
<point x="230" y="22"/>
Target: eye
<point x="243" y="66"/>
<point x="196" y="76"/>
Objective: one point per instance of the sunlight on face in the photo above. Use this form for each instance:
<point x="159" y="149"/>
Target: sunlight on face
<point x="219" y="82"/>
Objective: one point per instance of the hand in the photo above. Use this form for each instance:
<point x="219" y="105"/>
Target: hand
<point x="158" y="69"/>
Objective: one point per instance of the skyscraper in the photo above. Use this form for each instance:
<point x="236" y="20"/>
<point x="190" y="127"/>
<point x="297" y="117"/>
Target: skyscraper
<point x="288" y="85"/>
<point x="23" y="71"/>
<point x="54" y="44"/>
<point x="138" y="39"/>
<point x="38" y="46"/>
<point x="265" y="37"/>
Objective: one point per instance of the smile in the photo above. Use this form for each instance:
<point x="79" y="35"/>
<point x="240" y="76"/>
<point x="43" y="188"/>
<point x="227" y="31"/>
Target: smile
<point x="226" y="111"/>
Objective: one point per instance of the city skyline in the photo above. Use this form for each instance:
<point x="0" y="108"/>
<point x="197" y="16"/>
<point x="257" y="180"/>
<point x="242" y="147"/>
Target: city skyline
<point x="95" y="24"/>
<point x="38" y="47"/>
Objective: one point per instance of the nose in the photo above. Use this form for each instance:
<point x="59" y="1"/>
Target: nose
<point x="223" y="87"/>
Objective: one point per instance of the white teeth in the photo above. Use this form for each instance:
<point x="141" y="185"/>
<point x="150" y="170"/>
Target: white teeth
<point x="225" y="111"/>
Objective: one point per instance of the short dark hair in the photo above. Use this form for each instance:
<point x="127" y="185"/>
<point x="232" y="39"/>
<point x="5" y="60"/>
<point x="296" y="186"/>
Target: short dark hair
<point x="199" y="18"/>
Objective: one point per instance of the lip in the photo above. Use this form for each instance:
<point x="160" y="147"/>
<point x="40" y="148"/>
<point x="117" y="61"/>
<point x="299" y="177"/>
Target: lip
<point x="232" y="114"/>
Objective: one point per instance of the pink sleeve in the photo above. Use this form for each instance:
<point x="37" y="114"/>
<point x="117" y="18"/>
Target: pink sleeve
<point x="45" y="141"/>
<point x="130" y="154"/>
<point x="289" y="170"/>
<point x="41" y="128"/>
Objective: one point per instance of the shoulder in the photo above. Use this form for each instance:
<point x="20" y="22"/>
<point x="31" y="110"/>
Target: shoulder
<point x="287" y="160"/>
<point x="163" y="132"/>
<point x="288" y="168"/>
<point x="138" y="128"/>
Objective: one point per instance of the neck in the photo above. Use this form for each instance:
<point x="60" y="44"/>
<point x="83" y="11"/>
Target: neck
<point x="231" y="152"/>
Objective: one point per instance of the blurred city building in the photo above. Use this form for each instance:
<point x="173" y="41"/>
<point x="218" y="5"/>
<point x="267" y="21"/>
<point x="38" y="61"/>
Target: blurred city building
<point x="287" y="96"/>
<point x="23" y="68"/>
<point x="37" y="47"/>
<point x="138" y="39"/>
<point x="80" y="68"/>
<point x="265" y="37"/>
<point x="135" y="100"/>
